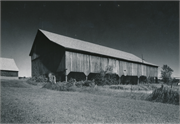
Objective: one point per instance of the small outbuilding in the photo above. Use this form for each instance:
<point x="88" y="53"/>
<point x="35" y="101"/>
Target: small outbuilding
<point x="8" y="68"/>
<point x="66" y="57"/>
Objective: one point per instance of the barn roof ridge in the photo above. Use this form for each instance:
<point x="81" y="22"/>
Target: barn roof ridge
<point x="8" y="64"/>
<point x="78" y="44"/>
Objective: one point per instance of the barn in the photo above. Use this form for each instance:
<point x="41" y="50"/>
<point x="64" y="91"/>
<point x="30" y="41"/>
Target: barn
<point x="65" y="57"/>
<point x="8" y="68"/>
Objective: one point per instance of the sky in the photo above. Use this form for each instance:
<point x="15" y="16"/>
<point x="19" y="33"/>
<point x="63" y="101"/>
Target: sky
<point x="148" y="29"/>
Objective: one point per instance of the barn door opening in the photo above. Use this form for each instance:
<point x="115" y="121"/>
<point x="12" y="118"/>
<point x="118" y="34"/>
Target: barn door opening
<point x="79" y="76"/>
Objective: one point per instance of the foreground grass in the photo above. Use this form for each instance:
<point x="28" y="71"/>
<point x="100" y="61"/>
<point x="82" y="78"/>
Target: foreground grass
<point x="36" y="105"/>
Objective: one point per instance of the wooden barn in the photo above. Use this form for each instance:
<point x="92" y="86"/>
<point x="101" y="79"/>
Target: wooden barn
<point x="65" y="56"/>
<point x="8" y="68"/>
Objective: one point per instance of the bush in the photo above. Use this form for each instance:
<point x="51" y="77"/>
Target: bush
<point x="111" y="78"/>
<point x="106" y="79"/>
<point x="88" y="83"/>
<point x="79" y="83"/>
<point x="150" y="80"/>
<point x="142" y="79"/>
<point x="72" y="85"/>
<point x="37" y="79"/>
<point x="175" y="81"/>
<point x="60" y="86"/>
<point x="165" y="95"/>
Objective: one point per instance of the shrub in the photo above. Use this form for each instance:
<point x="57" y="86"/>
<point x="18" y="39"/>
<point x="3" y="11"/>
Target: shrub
<point x="60" y="86"/>
<point x="79" y="83"/>
<point x="165" y="95"/>
<point x="41" y="78"/>
<point x="111" y="78"/>
<point x="150" y="80"/>
<point x="72" y="85"/>
<point x="106" y="79"/>
<point x="37" y="80"/>
<point x="142" y="79"/>
<point x="88" y="83"/>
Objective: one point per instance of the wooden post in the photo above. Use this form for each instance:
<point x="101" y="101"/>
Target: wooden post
<point x="66" y="75"/>
<point x="66" y="78"/>
<point x="86" y="78"/>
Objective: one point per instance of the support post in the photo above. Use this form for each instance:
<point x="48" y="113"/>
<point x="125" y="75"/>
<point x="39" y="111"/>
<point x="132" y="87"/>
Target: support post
<point x="66" y="74"/>
<point x="66" y="78"/>
<point x="86" y="77"/>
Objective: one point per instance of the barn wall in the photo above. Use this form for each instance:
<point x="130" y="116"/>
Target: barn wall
<point x="9" y="73"/>
<point x="38" y="68"/>
<point x="8" y="78"/>
<point x="46" y="56"/>
<point x="80" y="62"/>
<point x="52" y="62"/>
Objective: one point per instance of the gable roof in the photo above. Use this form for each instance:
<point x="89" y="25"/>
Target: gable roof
<point x="76" y="44"/>
<point x="8" y="64"/>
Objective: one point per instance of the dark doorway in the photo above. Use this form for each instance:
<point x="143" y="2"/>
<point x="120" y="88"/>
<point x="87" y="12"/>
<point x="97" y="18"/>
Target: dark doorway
<point x="92" y="76"/>
<point x="79" y="76"/>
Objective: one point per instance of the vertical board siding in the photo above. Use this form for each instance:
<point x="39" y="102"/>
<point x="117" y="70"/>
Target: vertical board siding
<point x="78" y="62"/>
<point x="68" y="62"/>
<point x="98" y="64"/>
<point x="147" y="71"/>
<point x="130" y="68"/>
<point x="103" y="63"/>
<point x="151" y="73"/>
<point x="74" y="61"/>
<point x="121" y="72"/>
<point x="93" y="63"/>
<point x="87" y="64"/>
<point x="139" y="70"/>
<point x="143" y="70"/>
<point x="134" y="69"/>
<point x="112" y="62"/>
<point x="116" y="70"/>
<point x="124" y="66"/>
<point x="156" y="74"/>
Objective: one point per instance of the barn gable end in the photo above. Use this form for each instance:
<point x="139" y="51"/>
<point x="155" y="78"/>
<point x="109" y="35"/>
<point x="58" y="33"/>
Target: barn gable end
<point x="46" y="56"/>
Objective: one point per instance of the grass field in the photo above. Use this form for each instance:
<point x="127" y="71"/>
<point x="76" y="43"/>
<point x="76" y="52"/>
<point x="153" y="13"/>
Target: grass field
<point x="24" y="103"/>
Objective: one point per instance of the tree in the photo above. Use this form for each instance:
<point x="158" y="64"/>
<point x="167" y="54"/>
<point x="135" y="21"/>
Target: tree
<point x="166" y="73"/>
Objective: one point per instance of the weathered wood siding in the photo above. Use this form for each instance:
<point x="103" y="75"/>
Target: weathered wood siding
<point x="87" y="63"/>
<point x="38" y="68"/>
<point x="46" y="56"/>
